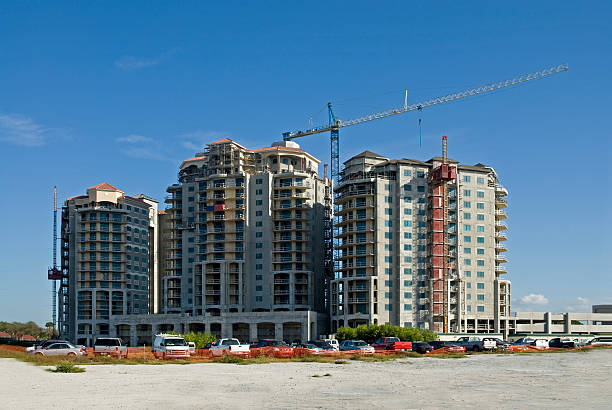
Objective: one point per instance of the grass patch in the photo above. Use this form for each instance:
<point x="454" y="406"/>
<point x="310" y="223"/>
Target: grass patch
<point x="316" y="375"/>
<point x="67" y="367"/>
<point x="448" y="356"/>
<point x="327" y="375"/>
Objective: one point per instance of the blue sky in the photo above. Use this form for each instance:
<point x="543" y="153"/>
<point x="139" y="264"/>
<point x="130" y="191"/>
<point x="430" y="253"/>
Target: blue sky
<point x="117" y="92"/>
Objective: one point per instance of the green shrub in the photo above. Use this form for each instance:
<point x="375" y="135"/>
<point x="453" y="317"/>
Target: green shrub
<point x="67" y="367"/>
<point x="374" y="331"/>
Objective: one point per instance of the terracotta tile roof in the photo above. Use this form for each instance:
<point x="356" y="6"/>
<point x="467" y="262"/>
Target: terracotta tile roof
<point x="4" y="334"/>
<point x="161" y="211"/>
<point x="221" y="141"/>
<point x="77" y="197"/>
<point x="194" y="159"/>
<point x="105" y="186"/>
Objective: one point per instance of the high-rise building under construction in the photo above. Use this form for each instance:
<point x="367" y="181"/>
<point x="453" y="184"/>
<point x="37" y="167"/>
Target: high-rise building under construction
<point x="420" y="244"/>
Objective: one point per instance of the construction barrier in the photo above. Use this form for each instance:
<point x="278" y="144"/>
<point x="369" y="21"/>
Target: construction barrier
<point x="13" y="348"/>
<point x="447" y="350"/>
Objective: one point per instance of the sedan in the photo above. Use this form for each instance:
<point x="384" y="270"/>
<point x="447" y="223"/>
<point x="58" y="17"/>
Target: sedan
<point x="60" y="349"/>
<point x="356" y="345"/>
<point x="421" y="347"/>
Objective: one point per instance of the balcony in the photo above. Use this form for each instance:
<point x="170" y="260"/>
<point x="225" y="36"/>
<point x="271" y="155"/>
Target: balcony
<point x="500" y="215"/>
<point x="500" y="236"/>
<point x="500" y="269"/>
<point x="500" y="226"/>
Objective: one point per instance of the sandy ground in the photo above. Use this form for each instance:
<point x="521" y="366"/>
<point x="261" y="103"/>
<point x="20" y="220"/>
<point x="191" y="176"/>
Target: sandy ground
<point x="570" y="380"/>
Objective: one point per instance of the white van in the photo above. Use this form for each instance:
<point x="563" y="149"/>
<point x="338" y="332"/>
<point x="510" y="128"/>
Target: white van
<point x="167" y="346"/>
<point x="333" y="343"/>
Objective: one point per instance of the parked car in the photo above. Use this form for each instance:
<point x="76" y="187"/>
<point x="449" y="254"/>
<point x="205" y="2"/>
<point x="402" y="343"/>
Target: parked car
<point x="167" y="346"/>
<point x="44" y="344"/>
<point x="600" y="341"/>
<point x="451" y="346"/>
<point x="223" y="347"/>
<point x="501" y="344"/>
<point x="421" y="347"/>
<point x="560" y="342"/>
<point x="58" y="349"/>
<point x="272" y="347"/>
<point x="309" y="348"/>
<point x="476" y="344"/>
<point x="333" y="343"/>
<point x="322" y="344"/>
<point x="490" y="343"/>
<point x="356" y="345"/>
<point x="192" y="347"/>
<point x="391" y="343"/>
<point x="110" y="346"/>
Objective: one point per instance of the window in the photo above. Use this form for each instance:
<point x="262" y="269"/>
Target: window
<point x="258" y="191"/>
<point x="258" y="213"/>
<point x="258" y="298"/>
<point x="466" y="192"/>
<point x="258" y="256"/>
<point x="407" y="187"/>
<point x="480" y="205"/>
<point x="388" y="247"/>
<point x="420" y="188"/>
<point x="467" y="227"/>
<point x="407" y="259"/>
<point x="469" y="308"/>
<point x="467" y="215"/>
<point x="467" y="262"/>
<point x="407" y="173"/>
<point x="259" y="181"/>
<point x="407" y="224"/>
<point x="407" y="295"/>
<point x="388" y="295"/>
<point x="480" y="217"/>
<point x="388" y="235"/>
<point x="480" y="274"/>
<point x="467" y="239"/>
<point x="467" y="178"/>
<point x="387" y="187"/>
<point x="480" y="251"/>
<point x="407" y="247"/>
<point x="407" y="271"/>
<point x="407" y="211"/>
<point x="259" y="266"/>
<point x="388" y="223"/>
<point x="480" y="285"/>
<point x="480" y="194"/>
<point x="420" y="174"/>
<point x="480" y="308"/>
<point x="389" y="259"/>
<point x="421" y="224"/>
<point x="258" y="223"/>
<point x="388" y="199"/>
<point x="388" y="271"/>
<point x="258" y="234"/>
<point x="408" y="199"/>
<point x="388" y="211"/>
<point x="469" y="285"/>
<point x="258" y="277"/>
<point x="467" y="250"/>
<point x="480" y="228"/>
<point x="259" y="245"/>
<point x="407" y="283"/>
<point x="480" y="239"/>
<point x="468" y="274"/>
<point x="480" y="297"/>
<point x="467" y="204"/>
<point x="407" y="307"/>
<point x="469" y="296"/>
<point x="480" y="262"/>
<point x="480" y="180"/>
<point x="259" y="288"/>
<point x="258" y="202"/>
<point x="407" y="235"/>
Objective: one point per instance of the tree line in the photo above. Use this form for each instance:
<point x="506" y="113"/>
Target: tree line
<point x="373" y="332"/>
<point x="18" y="329"/>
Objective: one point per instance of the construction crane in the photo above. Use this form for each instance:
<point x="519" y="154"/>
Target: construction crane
<point x="54" y="273"/>
<point x="441" y="177"/>
<point x="335" y="124"/>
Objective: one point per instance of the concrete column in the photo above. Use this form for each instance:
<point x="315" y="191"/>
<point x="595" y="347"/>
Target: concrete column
<point x="278" y="331"/>
<point x="133" y="335"/>
<point x="292" y="290"/>
<point x="124" y="302"/>
<point x="567" y="323"/>
<point x="154" y="329"/>
<point x="206" y="327"/>
<point x="177" y="327"/>
<point x="548" y="323"/>
<point x="253" y="331"/>
<point x="112" y="330"/>
<point x="306" y="334"/>
<point x="226" y="330"/>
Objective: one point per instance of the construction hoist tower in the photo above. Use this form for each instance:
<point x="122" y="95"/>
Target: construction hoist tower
<point x="54" y="273"/>
<point x="443" y="268"/>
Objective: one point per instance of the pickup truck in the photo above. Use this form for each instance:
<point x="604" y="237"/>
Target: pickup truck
<point x="224" y="347"/>
<point x="476" y="344"/>
<point x="391" y="343"/>
<point x="110" y="346"/>
<point x="562" y="343"/>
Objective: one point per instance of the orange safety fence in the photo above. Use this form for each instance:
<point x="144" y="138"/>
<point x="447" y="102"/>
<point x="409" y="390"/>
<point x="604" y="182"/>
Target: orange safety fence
<point x="447" y="349"/>
<point x="13" y="348"/>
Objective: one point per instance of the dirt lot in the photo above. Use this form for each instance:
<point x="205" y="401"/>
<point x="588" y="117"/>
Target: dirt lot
<point x="567" y="380"/>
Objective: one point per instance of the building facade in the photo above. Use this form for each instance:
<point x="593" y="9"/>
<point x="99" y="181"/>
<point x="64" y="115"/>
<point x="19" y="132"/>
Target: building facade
<point x="245" y="231"/>
<point x="109" y="252"/>
<point x="414" y="249"/>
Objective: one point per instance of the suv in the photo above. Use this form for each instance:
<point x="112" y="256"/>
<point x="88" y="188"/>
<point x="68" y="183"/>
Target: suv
<point x="110" y="346"/>
<point x="561" y="342"/>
